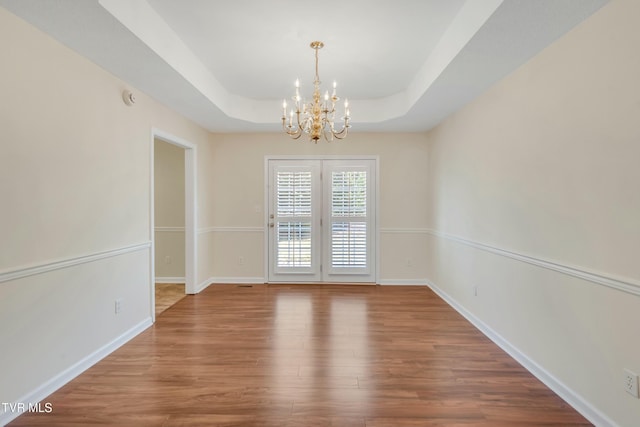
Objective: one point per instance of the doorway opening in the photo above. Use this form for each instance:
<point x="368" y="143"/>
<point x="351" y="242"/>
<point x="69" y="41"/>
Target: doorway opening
<point x="173" y="220"/>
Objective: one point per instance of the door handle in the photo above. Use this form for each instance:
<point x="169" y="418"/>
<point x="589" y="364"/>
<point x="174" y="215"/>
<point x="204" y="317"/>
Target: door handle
<point x="270" y="225"/>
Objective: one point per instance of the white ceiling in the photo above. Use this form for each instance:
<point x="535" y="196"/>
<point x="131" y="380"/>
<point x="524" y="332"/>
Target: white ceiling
<point x="404" y="64"/>
<point x="270" y="45"/>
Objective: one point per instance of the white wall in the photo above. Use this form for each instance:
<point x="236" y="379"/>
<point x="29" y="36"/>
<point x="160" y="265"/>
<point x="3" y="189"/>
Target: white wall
<point x="545" y="165"/>
<point x="75" y="219"/>
<point x="237" y="221"/>
<point x="169" y="201"/>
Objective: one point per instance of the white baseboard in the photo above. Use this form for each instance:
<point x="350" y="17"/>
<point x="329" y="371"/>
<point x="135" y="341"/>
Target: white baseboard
<point x="203" y="285"/>
<point x="229" y="280"/>
<point x="261" y="280"/>
<point x="46" y="389"/>
<point x="238" y="280"/>
<point x="403" y="282"/>
<point x="571" y="397"/>
<point x="180" y="280"/>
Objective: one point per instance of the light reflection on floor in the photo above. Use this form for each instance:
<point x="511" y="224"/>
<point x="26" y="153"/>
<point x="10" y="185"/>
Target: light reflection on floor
<point x="319" y="348"/>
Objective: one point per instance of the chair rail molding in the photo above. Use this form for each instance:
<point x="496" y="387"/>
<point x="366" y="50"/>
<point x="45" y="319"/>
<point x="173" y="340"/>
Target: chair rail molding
<point x="45" y="267"/>
<point x="407" y="230"/>
<point x="231" y="230"/>
<point x="622" y="284"/>
<point x="163" y="229"/>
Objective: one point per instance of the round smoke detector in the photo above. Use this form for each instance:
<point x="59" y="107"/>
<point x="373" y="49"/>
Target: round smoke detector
<point x="128" y="97"/>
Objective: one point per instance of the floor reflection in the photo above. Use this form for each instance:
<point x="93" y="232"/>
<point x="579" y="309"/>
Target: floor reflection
<point x="320" y="348"/>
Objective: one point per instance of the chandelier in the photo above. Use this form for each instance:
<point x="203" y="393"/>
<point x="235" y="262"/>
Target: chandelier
<point x="317" y="117"/>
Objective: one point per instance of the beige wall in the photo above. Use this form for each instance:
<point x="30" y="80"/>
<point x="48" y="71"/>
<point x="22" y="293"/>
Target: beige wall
<point x="75" y="218"/>
<point x="545" y="165"/>
<point x="169" y="204"/>
<point x="238" y="218"/>
<point x="542" y="165"/>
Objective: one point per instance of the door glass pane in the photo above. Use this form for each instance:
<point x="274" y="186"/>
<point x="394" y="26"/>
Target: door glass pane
<point x="349" y="193"/>
<point x="293" y="194"/>
<point x="294" y="222"/>
<point x="349" y="244"/>
<point x="348" y="218"/>
<point x="294" y="244"/>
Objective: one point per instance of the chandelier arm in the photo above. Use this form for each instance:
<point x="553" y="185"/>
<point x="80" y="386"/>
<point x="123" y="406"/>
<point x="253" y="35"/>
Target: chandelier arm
<point x="342" y="134"/>
<point x="295" y="135"/>
<point x="288" y="130"/>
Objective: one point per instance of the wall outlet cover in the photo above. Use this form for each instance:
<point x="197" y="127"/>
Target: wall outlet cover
<point x="631" y="382"/>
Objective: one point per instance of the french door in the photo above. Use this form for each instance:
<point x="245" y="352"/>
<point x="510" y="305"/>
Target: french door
<point x="321" y="220"/>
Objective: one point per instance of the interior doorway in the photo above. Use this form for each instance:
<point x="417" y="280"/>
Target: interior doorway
<point x="169" y="230"/>
<point x="173" y="220"/>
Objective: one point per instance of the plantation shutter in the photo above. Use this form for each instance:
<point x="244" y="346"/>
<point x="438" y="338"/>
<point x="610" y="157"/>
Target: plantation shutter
<point x="295" y="220"/>
<point x="321" y="220"/>
<point x="349" y="218"/>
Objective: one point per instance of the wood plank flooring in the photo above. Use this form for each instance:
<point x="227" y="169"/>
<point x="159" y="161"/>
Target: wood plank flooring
<point x="308" y="355"/>
<point x="167" y="294"/>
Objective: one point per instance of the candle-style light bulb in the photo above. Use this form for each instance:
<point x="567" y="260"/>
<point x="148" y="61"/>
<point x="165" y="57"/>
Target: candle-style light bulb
<point x="335" y="84"/>
<point x="284" y="108"/>
<point x="297" y="83"/>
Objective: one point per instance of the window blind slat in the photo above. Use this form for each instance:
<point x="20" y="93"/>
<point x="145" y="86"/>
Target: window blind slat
<point x="349" y="244"/>
<point x="349" y="193"/>
<point x="293" y="193"/>
<point x="293" y="244"/>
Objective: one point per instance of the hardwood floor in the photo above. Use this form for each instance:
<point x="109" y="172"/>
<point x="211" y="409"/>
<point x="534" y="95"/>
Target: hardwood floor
<point x="167" y="294"/>
<point x="308" y="355"/>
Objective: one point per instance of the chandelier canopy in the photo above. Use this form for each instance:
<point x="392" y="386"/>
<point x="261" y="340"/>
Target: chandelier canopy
<point x="317" y="117"/>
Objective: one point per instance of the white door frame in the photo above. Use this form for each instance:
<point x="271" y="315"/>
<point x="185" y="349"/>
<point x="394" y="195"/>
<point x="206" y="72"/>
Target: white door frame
<point x="376" y="232"/>
<point x="190" y="214"/>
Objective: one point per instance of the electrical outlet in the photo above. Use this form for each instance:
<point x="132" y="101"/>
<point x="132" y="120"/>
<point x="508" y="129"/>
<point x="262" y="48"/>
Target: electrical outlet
<point x="118" y="305"/>
<point x="241" y="260"/>
<point x="167" y="259"/>
<point x="409" y="262"/>
<point x="631" y="382"/>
